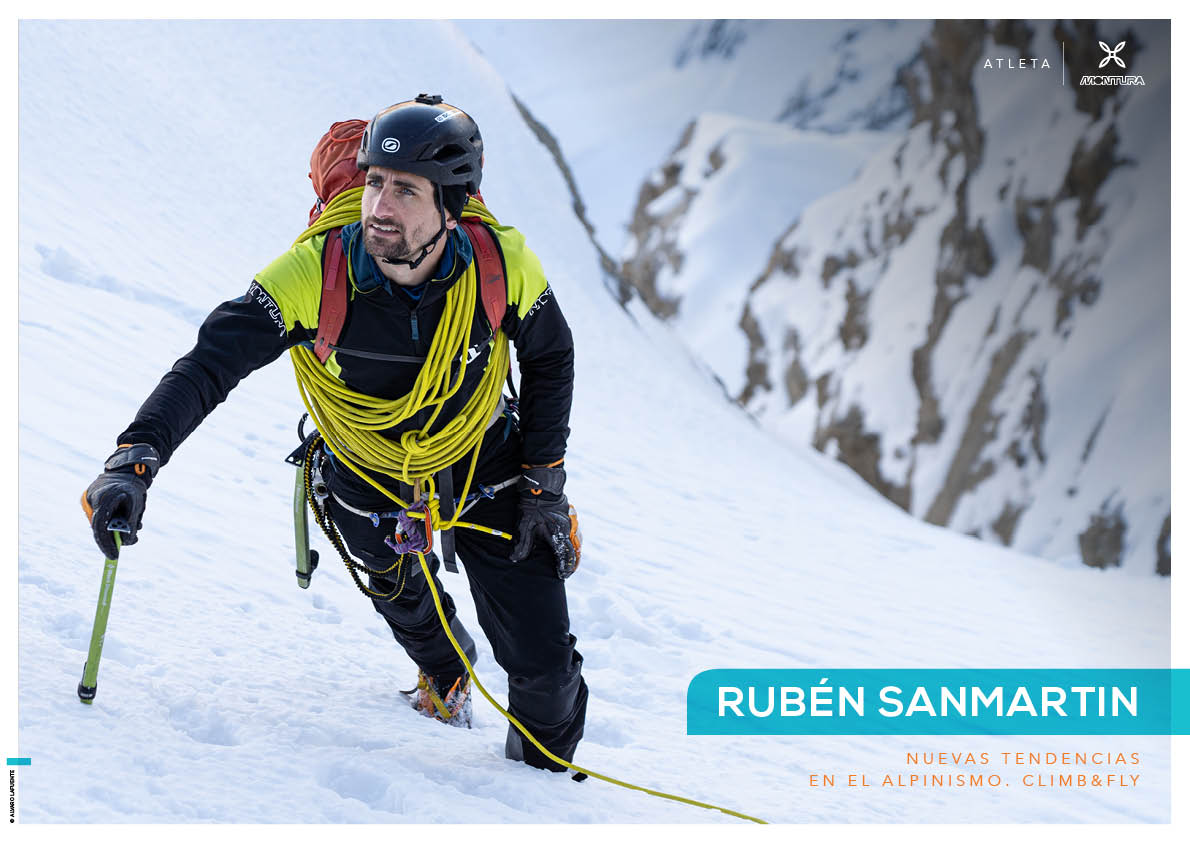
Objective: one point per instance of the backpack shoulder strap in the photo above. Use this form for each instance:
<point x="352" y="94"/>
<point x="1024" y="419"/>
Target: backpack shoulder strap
<point x="332" y="308"/>
<point x="493" y="287"/>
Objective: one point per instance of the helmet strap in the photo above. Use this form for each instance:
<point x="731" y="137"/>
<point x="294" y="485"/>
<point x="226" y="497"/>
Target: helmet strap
<point x="429" y="246"/>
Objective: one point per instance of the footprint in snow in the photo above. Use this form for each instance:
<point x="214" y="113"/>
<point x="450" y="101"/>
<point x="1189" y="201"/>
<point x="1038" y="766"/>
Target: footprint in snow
<point x="203" y="724"/>
<point x="326" y="613"/>
<point x="350" y="782"/>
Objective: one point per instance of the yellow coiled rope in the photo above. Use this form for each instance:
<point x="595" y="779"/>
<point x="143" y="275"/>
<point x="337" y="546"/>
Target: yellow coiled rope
<point x="351" y="422"/>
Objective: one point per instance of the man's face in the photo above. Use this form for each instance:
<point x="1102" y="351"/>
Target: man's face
<point x="399" y="213"/>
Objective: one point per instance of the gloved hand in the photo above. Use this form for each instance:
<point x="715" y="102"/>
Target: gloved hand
<point x="546" y="514"/>
<point x="118" y="494"/>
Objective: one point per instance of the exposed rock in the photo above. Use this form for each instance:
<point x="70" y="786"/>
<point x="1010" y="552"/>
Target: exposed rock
<point x="611" y="271"/>
<point x="1035" y="222"/>
<point x="860" y="450"/>
<point x="948" y="58"/>
<point x="964" y="251"/>
<point x="715" y="160"/>
<point x="1102" y="542"/>
<point x="832" y="265"/>
<point x="822" y="389"/>
<point x="967" y="467"/>
<point x="897" y="224"/>
<point x="993" y="325"/>
<point x="756" y="374"/>
<point x="1073" y="284"/>
<point x="1036" y="411"/>
<point x="712" y="39"/>
<point x="1163" y="541"/>
<point x="809" y="106"/>
<point x="656" y="236"/>
<point x="1005" y="525"/>
<point x="1090" y="445"/>
<point x="1089" y="168"/>
<point x="854" y="329"/>
<point x="947" y="102"/>
<point x="797" y="381"/>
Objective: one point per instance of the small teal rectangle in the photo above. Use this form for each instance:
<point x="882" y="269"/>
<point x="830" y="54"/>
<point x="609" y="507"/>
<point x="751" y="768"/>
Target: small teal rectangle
<point x="19" y="761"/>
<point x="939" y="701"/>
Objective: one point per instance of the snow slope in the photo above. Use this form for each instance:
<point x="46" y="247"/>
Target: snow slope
<point x="227" y="694"/>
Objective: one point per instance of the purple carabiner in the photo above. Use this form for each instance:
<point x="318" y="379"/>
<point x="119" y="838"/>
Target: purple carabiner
<point x="412" y="535"/>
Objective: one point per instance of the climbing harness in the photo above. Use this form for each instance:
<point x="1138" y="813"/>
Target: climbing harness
<point x="311" y="468"/>
<point x="482" y="492"/>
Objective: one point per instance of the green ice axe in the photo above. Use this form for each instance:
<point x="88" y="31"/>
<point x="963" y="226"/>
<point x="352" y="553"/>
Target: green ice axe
<point x="99" y="629"/>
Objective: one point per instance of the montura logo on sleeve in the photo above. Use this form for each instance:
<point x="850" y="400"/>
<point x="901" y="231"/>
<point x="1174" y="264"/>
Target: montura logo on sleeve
<point x="540" y="302"/>
<point x="259" y="294"/>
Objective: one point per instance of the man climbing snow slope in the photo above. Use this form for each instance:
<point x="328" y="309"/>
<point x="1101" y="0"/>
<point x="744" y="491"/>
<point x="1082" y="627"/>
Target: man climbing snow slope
<point x="401" y="364"/>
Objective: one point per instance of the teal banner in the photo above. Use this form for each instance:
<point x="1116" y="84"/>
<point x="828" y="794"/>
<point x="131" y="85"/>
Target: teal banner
<point x="939" y="701"/>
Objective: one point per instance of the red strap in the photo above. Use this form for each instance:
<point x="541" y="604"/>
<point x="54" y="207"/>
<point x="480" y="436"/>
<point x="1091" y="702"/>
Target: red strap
<point x="332" y="309"/>
<point x="492" y="287"/>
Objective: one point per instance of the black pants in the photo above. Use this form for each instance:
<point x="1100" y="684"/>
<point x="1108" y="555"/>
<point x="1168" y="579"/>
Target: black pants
<point x="521" y="607"/>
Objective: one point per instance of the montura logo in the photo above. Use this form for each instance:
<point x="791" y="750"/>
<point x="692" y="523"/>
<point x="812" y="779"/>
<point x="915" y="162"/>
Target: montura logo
<point x="390" y="144"/>
<point x="1111" y="54"/>
<point x="259" y="294"/>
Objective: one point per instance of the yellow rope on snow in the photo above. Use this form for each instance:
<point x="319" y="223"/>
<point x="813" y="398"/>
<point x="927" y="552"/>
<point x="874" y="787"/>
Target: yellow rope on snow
<point x="425" y="568"/>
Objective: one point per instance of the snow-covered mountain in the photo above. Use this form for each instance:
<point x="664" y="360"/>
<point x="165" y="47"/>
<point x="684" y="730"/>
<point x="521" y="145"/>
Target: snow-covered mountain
<point x="945" y="262"/>
<point x="162" y="164"/>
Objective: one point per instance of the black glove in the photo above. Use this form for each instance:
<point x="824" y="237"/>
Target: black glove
<point x="546" y="514"/>
<point x="117" y="496"/>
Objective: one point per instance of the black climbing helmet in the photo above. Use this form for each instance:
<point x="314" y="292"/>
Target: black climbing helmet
<point x="426" y="137"/>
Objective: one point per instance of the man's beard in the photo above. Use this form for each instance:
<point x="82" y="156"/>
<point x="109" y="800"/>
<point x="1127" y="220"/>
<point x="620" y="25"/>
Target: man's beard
<point x="393" y="247"/>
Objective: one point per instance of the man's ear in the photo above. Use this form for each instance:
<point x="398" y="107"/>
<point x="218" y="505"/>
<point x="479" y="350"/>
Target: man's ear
<point x="451" y="222"/>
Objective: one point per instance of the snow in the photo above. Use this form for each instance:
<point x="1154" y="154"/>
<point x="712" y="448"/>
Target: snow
<point x="228" y="694"/>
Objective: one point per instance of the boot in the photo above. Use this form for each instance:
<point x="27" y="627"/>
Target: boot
<point x="449" y="703"/>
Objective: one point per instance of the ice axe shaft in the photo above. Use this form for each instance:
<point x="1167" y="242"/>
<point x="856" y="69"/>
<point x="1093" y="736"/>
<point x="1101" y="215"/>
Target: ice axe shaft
<point x="88" y="685"/>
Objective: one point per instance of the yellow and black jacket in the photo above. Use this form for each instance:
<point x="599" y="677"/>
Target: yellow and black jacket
<point x="280" y="310"/>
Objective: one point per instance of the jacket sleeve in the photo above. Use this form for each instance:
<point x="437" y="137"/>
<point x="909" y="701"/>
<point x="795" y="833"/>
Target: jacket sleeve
<point x="237" y="338"/>
<point x="545" y="353"/>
